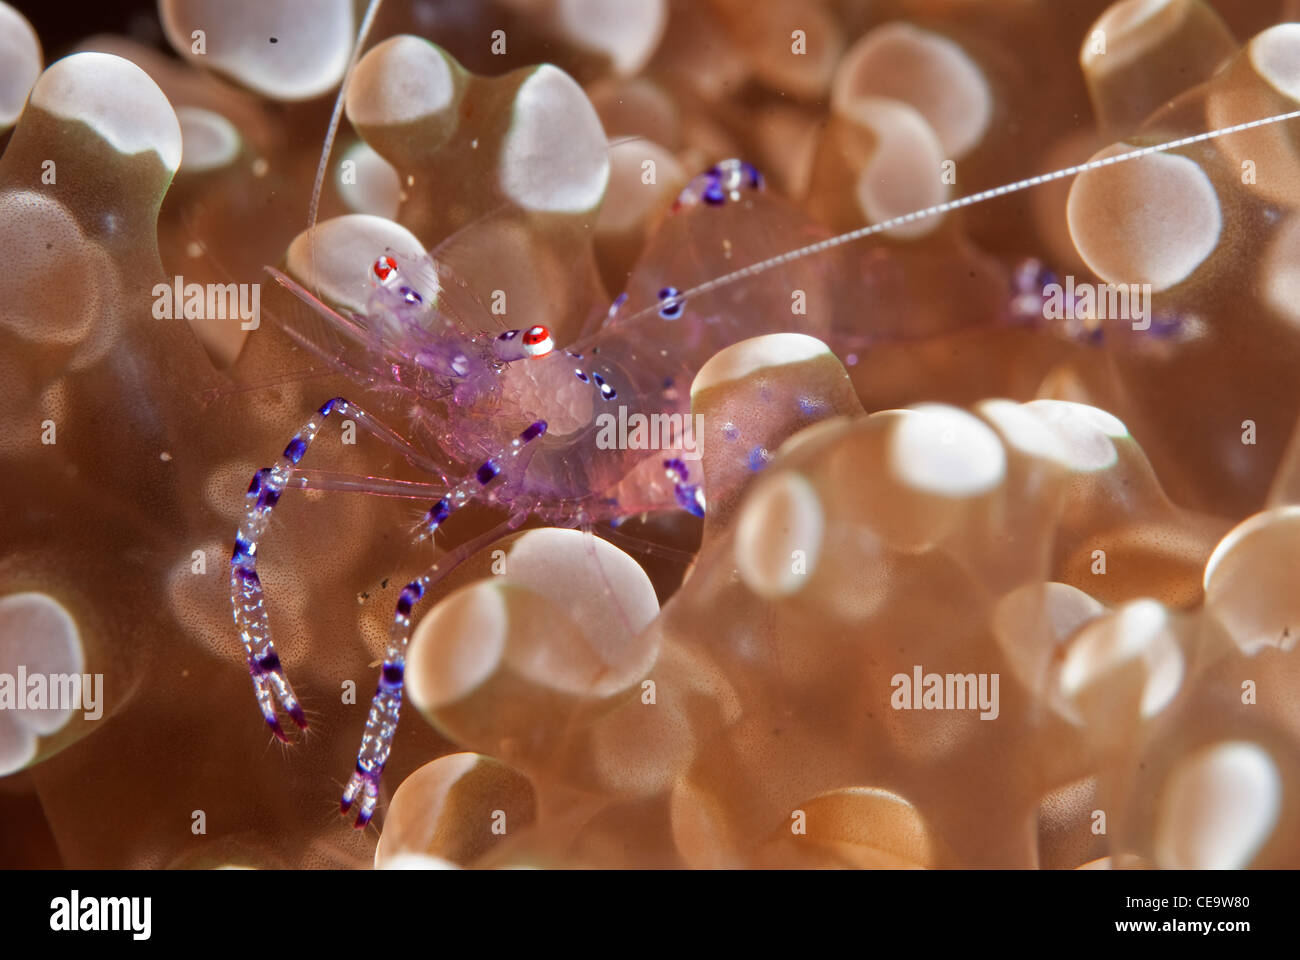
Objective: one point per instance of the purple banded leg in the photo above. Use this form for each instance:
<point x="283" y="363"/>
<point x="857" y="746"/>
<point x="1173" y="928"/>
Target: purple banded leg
<point x="386" y="705"/>
<point x="510" y="460"/>
<point x="270" y="685"/>
<point x="385" y="710"/>
<point x="690" y="496"/>
<point x="247" y="600"/>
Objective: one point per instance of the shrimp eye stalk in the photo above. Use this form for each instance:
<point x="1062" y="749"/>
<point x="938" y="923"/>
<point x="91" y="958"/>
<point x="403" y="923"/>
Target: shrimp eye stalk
<point x="534" y="342"/>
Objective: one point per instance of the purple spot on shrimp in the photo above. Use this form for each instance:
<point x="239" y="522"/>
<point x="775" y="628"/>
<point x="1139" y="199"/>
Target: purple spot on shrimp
<point x="328" y="406"/>
<point x="672" y="310"/>
<point x="296" y="448"/>
<point x="580" y="375"/>
<point x="392" y="675"/>
<point x="758" y="458"/>
<point x="256" y="484"/>
<point x="410" y="595"/>
<point x="730" y="433"/>
<point x="268" y="499"/>
<point x="721" y="183"/>
<point x="243" y="551"/>
<point x="487" y="472"/>
<point x="410" y="296"/>
<point x="269" y="663"/>
<point x="534" y="431"/>
<point x="690" y="498"/>
<point x="1166" y="325"/>
<point x="439" y="512"/>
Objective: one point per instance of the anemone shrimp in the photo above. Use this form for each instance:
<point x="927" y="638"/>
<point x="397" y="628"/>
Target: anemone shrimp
<point x="519" y="413"/>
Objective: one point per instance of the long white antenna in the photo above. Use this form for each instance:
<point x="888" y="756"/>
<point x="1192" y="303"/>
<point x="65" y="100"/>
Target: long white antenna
<point x="941" y="208"/>
<point x="366" y="23"/>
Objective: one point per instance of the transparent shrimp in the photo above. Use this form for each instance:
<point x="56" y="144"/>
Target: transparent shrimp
<point x="423" y="338"/>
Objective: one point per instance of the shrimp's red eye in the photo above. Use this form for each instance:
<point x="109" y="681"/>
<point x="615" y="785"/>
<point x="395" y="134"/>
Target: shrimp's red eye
<point x="537" y="341"/>
<point x="385" y="269"/>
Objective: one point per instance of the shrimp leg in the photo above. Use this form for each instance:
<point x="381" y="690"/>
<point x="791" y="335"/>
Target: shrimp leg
<point x="270" y="685"/>
<point x="386" y="705"/>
